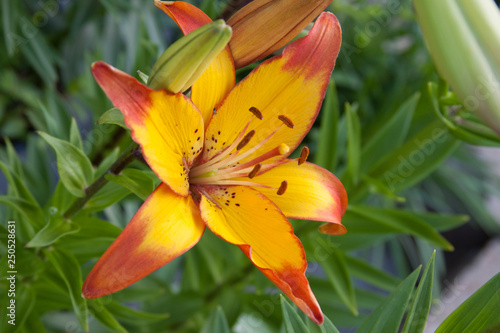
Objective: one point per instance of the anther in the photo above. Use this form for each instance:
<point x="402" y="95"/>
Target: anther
<point x="256" y="112"/>
<point x="255" y="170"/>
<point x="286" y="120"/>
<point x="246" y="139"/>
<point x="303" y="155"/>
<point x="282" y="188"/>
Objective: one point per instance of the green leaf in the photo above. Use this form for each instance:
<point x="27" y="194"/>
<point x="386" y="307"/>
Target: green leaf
<point x="369" y="220"/>
<point x="17" y="185"/>
<point x="8" y="23"/>
<point x="442" y="222"/>
<point x="328" y="326"/>
<point x="217" y="322"/>
<point x="371" y="274"/>
<point x="69" y="270"/>
<point x="32" y="213"/>
<point x="137" y="181"/>
<point x="104" y="316"/>
<point x="388" y="315"/>
<point x="293" y="322"/>
<point x="93" y="227"/>
<point x="74" y="135"/>
<point x="326" y="154"/>
<point x="13" y="158"/>
<point x="134" y="317"/>
<point x="112" y="116"/>
<point x="111" y="193"/>
<point x="353" y="145"/>
<point x="389" y="135"/>
<point x="23" y="307"/>
<point x="107" y="162"/>
<point x="471" y="132"/>
<point x="75" y="169"/>
<point x="412" y="162"/>
<point x="417" y="317"/>
<point x="37" y="52"/>
<point x="336" y="270"/>
<point x="55" y="229"/>
<point x="478" y="312"/>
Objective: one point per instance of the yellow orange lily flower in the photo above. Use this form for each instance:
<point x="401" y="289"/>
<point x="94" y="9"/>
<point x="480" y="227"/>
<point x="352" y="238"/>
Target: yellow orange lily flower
<point x="229" y="173"/>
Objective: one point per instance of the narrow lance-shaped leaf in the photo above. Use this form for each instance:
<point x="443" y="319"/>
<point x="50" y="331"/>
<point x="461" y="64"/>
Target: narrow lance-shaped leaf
<point x="69" y="270"/>
<point x="417" y="317"/>
<point x="292" y="320"/>
<point x="388" y="315"/>
<point x="336" y="270"/>
<point x="369" y="220"/>
<point x="217" y="322"/>
<point x="135" y="180"/>
<point x="56" y="228"/>
<point x="74" y="135"/>
<point x="75" y="169"/>
<point x="478" y="312"/>
<point x="326" y="154"/>
<point x="351" y="175"/>
<point x="112" y="116"/>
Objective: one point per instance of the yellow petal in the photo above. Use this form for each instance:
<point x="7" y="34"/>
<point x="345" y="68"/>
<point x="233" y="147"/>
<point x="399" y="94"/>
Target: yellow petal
<point x="292" y="85"/>
<point x="264" y="26"/>
<point x="219" y="78"/>
<point x="168" y="126"/>
<point x="166" y="226"/>
<point x="245" y="217"/>
<point x="312" y="193"/>
<point x="213" y="85"/>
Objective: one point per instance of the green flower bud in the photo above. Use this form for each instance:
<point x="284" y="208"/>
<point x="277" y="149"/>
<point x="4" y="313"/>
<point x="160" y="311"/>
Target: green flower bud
<point x="463" y="38"/>
<point x="184" y="61"/>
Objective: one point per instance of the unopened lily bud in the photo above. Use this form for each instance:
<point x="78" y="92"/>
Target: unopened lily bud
<point x="463" y="39"/>
<point x="264" y="26"/>
<point x="184" y="61"/>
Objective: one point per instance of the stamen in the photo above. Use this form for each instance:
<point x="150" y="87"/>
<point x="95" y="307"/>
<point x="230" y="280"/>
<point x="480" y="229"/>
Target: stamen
<point x="255" y="170"/>
<point x="286" y="120"/>
<point x="303" y="155"/>
<point x="282" y="188"/>
<point x="256" y="112"/>
<point x="209" y="166"/>
<point x="245" y="140"/>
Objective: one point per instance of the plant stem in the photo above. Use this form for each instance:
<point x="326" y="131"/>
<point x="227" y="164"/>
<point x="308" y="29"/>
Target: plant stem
<point x="125" y="159"/>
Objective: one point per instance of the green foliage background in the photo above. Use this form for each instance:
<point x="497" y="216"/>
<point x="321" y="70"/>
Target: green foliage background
<point x="408" y="179"/>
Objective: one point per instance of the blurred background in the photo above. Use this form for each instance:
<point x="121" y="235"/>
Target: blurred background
<point x="377" y="113"/>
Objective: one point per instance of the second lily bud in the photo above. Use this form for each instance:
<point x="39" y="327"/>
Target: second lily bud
<point x="184" y="61"/>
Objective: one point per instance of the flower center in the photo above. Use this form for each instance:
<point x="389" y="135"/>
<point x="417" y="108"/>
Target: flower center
<point x="227" y="167"/>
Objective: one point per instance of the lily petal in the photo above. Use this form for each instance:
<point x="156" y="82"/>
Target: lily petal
<point x="312" y="193"/>
<point x="245" y="217"/>
<point x="292" y="85"/>
<point x="166" y="226"/>
<point x="219" y="78"/>
<point x="168" y="126"/>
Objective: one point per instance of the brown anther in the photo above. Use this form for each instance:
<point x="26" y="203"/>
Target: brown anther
<point x="256" y="112"/>
<point x="254" y="172"/>
<point x="246" y="139"/>
<point x="286" y="120"/>
<point x="282" y="188"/>
<point x="303" y="155"/>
